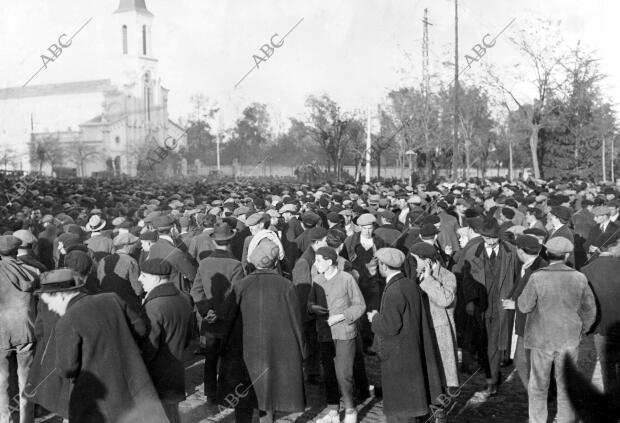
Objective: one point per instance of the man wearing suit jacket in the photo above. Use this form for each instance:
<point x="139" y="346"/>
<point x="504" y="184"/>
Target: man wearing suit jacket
<point x="183" y="267"/>
<point x="559" y="218"/>
<point x="603" y="225"/>
<point x="528" y="249"/>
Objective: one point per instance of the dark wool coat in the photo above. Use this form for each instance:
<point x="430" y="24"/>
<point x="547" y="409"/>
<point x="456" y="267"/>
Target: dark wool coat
<point x="169" y="314"/>
<point x="45" y="386"/>
<point x="410" y="373"/>
<point x="183" y="266"/>
<point x="518" y="288"/>
<point x="273" y="346"/>
<point x="477" y="285"/>
<point x="96" y="350"/>
<point x="212" y="287"/>
<point x="602" y="273"/>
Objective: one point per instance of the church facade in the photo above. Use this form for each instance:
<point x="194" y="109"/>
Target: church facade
<point x="105" y="125"/>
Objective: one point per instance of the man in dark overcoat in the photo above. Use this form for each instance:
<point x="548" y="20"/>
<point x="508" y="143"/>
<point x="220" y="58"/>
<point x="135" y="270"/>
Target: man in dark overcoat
<point x="489" y="273"/>
<point x="210" y="291"/>
<point x="273" y="345"/>
<point x="410" y="375"/>
<point x="96" y="350"/>
<point x="168" y="312"/>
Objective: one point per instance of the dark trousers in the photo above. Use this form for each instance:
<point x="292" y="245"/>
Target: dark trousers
<point x="327" y="352"/>
<point x="489" y="358"/>
<point x="312" y="362"/>
<point x="212" y="357"/>
<point x="359" y="370"/>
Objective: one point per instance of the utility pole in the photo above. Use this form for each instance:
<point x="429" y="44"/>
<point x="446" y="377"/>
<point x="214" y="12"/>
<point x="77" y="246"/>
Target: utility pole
<point x="455" y="146"/>
<point x="604" y="169"/>
<point x="426" y="86"/>
<point x="368" y="147"/>
<point x="613" y="175"/>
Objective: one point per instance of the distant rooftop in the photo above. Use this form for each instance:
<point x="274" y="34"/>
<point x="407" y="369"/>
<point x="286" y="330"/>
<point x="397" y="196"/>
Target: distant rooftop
<point x="55" y="89"/>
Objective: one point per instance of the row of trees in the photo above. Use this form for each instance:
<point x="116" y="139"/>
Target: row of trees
<point x="557" y="129"/>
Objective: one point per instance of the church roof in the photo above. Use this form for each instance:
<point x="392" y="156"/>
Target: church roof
<point x="132" y="5"/>
<point x="55" y="89"/>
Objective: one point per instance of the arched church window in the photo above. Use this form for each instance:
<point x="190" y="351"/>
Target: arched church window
<point x="144" y="40"/>
<point x="124" y="39"/>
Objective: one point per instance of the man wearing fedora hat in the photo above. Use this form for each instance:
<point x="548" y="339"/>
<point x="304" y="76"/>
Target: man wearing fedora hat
<point x="97" y="352"/>
<point x="210" y="290"/>
<point x="183" y="266"/>
<point x="98" y="242"/>
<point x="489" y="272"/>
<point x="17" y="312"/>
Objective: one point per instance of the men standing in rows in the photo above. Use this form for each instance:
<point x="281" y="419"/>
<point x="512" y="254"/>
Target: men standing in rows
<point x="560" y="309"/>
<point x="528" y="249"/>
<point x="17" y="315"/>
<point x="487" y="279"/>
<point x="183" y="267"/>
<point x="168" y="312"/>
<point x="410" y="377"/>
<point x="211" y="290"/>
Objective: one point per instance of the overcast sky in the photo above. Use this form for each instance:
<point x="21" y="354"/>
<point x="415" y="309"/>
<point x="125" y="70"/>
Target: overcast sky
<point x="353" y="50"/>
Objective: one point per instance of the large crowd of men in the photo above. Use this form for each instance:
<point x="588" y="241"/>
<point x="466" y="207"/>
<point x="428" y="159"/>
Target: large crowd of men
<point x="104" y="284"/>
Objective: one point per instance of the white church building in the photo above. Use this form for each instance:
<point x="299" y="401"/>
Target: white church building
<point x="101" y="124"/>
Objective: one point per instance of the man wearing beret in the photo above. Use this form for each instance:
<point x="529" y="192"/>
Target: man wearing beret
<point x="560" y="308"/>
<point x="410" y="377"/>
<point x="183" y="267"/>
<point x="119" y="272"/>
<point x="528" y="250"/>
<point x="97" y="352"/>
<point x="169" y="314"/>
<point x="17" y="313"/>
<point x="489" y="271"/>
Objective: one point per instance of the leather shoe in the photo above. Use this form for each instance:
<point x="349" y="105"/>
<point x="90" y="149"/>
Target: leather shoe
<point x="505" y="363"/>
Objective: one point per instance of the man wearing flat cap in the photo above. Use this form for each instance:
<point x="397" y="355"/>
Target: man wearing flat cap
<point x="97" y="352"/>
<point x="168" y="312"/>
<point x="489" y="271"/>
<point x="17" y="313"/>
<point x="410" y="377"/>
<point x="26" y="250"/>
<point x="119" y="272"/>
<point x="309" y="220"/>
<point x="560" y="308"/>
<point x="528" y="250"/>
<point x="183" y="266"/>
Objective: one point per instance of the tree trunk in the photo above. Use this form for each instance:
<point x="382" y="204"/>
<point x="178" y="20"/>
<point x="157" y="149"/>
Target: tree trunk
<point x="378" y="167"/>
<point x="534" y="149"/>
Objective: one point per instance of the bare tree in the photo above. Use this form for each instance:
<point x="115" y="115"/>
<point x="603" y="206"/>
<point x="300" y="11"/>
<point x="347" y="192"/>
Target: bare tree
<point x="46" y="150"/>
<point x="542" y="49"/>
<point x="7" y="156"/>
<point x="82" y="153"/>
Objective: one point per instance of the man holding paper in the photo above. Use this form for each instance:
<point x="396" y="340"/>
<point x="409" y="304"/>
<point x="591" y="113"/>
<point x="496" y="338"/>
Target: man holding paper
<point x="345" y="304"/>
